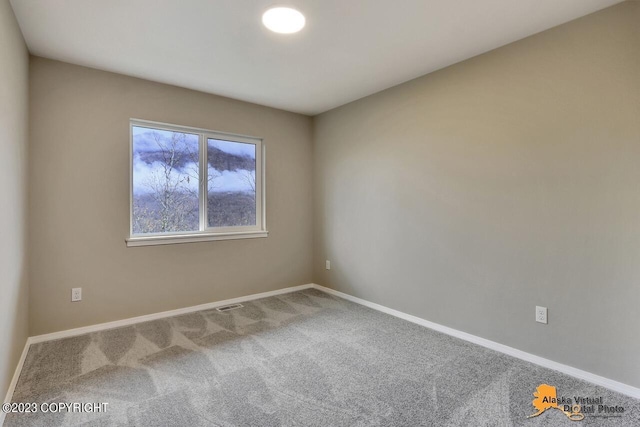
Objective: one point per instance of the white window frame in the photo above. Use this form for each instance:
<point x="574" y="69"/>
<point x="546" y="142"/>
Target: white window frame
<point x="205" y="233"/>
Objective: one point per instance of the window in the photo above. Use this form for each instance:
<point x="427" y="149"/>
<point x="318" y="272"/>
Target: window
<point x="190" y="185"/>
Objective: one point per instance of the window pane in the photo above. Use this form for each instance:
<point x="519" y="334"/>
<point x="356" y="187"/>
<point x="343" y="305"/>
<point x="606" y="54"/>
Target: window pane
<point x="231" y="190"/>
<point x="165" y="181"/>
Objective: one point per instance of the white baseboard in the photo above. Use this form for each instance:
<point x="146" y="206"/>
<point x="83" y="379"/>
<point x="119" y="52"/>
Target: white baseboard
<point x="16" y="376"/>
<point x="519" y="354"/>
<point x="569" y="370"/>
<point x="161" y="315"/>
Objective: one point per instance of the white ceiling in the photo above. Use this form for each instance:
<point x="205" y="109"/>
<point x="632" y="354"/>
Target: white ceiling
<point x="348" y="49"/>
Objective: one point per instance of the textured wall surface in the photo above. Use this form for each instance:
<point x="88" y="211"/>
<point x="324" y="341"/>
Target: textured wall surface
<point x="471" y="195"/>
<point x="14" y="74"/>
<point x="79" y="169"/>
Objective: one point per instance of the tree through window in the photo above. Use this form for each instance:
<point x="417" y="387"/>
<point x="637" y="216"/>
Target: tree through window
<point x="191" y="181"/>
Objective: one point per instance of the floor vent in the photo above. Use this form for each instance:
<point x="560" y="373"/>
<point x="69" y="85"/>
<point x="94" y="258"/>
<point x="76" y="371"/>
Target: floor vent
<point x="229" y="307"/>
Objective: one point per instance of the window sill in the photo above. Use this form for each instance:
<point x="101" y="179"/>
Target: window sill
<point x="192" y="238"/>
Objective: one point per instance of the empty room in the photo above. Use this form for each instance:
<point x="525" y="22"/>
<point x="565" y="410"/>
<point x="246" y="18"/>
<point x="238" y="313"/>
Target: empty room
<point x="320" y="213"/>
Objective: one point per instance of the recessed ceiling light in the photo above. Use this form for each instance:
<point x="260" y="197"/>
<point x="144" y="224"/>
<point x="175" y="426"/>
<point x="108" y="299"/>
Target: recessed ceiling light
<point x="284" y="20"/>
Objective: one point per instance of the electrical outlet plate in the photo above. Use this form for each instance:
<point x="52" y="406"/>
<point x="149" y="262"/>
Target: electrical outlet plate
<point x="327" y="264"/>
<point x="541" y="314"/>
<point x="76" y="294"/>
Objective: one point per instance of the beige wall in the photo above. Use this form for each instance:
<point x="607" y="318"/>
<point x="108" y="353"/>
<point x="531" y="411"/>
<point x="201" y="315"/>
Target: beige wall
<point x="14" y="73"/>
<point x="79" y="201"/>
<point x="511" y="180"/>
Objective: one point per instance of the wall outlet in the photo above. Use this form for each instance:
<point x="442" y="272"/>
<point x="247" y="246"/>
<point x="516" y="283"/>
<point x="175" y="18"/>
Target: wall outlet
<point x="327" y="265"/>
<point x="76" y="294"/>
<point x="541" y="314"/>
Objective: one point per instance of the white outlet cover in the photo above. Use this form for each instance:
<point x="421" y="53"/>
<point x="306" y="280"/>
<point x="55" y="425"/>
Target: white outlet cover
<point x="541" y="314"/>
<point x="76" y="294"/>
<point x="327" y="264"/>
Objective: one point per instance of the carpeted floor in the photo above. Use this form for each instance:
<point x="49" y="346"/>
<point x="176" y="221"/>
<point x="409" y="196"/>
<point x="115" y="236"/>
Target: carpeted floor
<point x="300" y="359"/>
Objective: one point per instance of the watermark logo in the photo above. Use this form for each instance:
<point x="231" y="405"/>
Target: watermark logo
<point x="546" y="397"/>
